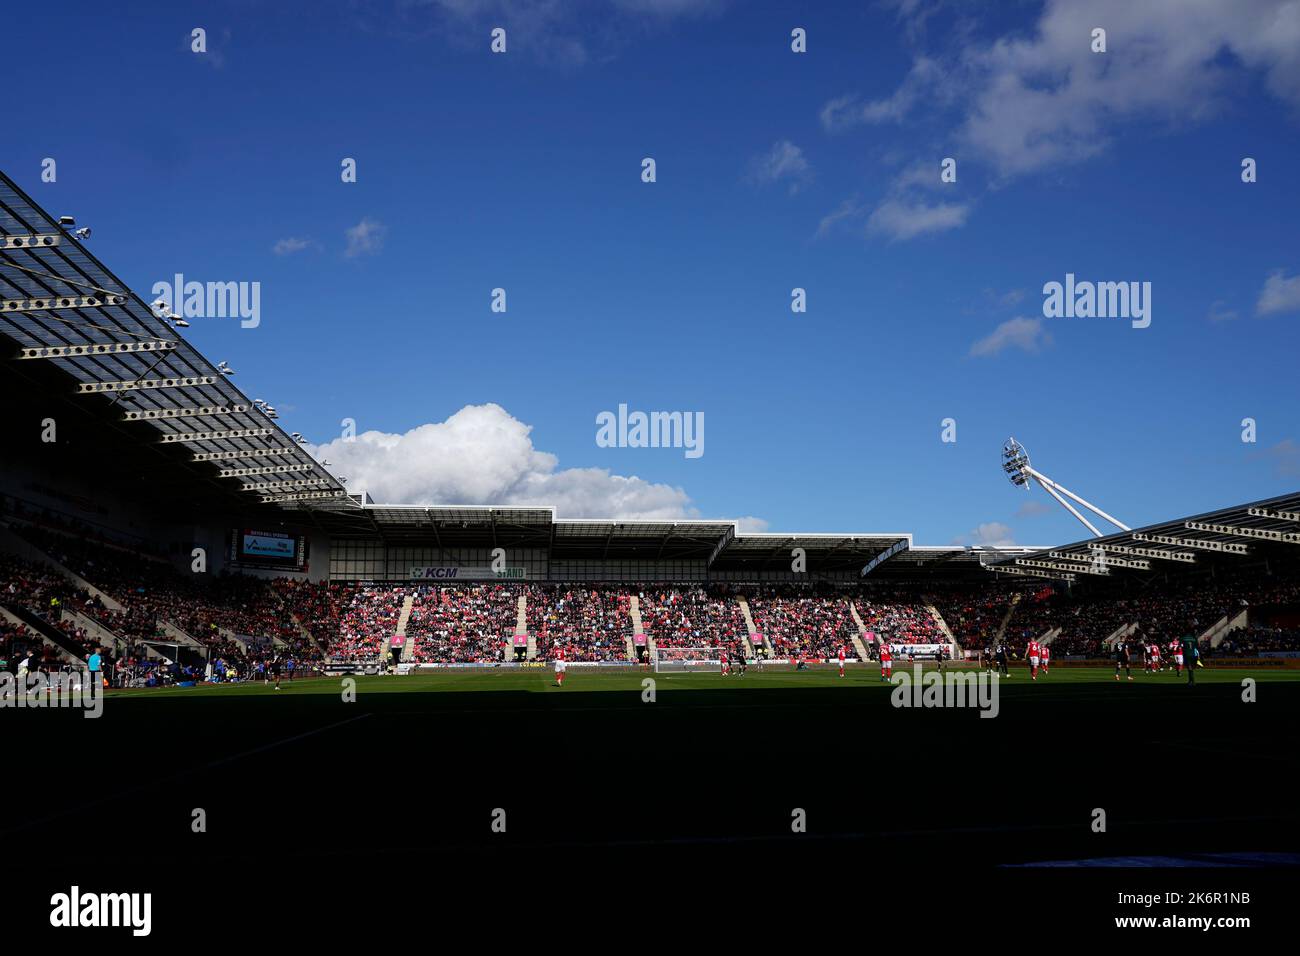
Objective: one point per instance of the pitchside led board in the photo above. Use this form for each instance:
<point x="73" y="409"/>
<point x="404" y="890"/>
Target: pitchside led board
<point x="274" y="550"/>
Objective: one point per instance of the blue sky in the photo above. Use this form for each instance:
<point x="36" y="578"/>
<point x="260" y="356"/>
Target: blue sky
<point x="775" y="170"/>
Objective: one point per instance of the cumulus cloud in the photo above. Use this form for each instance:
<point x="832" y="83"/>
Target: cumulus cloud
<point x="1032" y="509"/>
<point x="482" y="455"/>
<point x="900" y="219"/>
<point x="1285" y="457"/>
<point x="562" y="33"/>
<point x="366" y="238"/>
<point x="1027" y="335"/>
<point x="287" y="247"/>
<point x="849" y="110"/>
<point x="1044" y="98"/>
<point x="990" y="534"/>
<point x="1281" y="293"/>
<point x="1219" y="312"/>
<point x="785" y="161"/>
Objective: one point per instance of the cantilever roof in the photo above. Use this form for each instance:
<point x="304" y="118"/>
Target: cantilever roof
<point x="86" y="343"/>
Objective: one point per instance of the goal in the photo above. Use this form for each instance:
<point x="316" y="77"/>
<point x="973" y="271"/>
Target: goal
<point x="669" y="659"/>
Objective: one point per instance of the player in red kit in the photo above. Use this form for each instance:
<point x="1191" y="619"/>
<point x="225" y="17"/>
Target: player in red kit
<point x="1032" y="653"/>
<point x="841" y="660"/>
<point x="1045" y="655"/>
<point x="1176" y="648"/>
<point x="1155" y="657"/>
<point x="886" y="662"/>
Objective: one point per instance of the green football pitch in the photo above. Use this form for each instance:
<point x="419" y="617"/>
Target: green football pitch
<point x="423" y="761"/>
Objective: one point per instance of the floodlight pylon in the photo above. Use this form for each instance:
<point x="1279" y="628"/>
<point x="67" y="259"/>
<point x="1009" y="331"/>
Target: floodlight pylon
<point x="1015" y="462"/>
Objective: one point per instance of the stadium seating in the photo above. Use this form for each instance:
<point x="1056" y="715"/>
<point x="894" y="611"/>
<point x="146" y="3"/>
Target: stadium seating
<point x="800" y="623"/>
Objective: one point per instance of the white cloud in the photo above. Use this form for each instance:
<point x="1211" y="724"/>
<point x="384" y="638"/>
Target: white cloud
<point x="784" y="160"/>
<point x="990" y="534"/>
<point x="1219" y="312"/>
<point x="1021" y="333"/>
<point x="482" y="455"/>
<point x="900" y="219"/>
<point x="846" y="111"/>
<point x="365" y="238"/>
<point x="1281" y="293"/>
<point x="1044" y="98"/>
<point x="287" y="247"/>
<point x="1032" y="509"/>
<point x="1285" y="456"/>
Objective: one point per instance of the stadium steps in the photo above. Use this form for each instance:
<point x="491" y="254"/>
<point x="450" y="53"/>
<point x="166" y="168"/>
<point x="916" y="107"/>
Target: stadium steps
<point x="15" y="544"/>
<point x="752" y="630"/>
<point x="1006" y="618"/>
<point x="1124" y="630"/>
<point x="635" y="618"/>
<point x="634" y="612"/>
<point x="48" y="632"/>
<point x="301" y="628"/>
<point x="943" y="625"/>
<point x="521" y="627"/>
<point x="1223" y="627"/>
<point x="859" y="639"/>
<point x="403" y="619"/>
<point x="178" y="636"/>
<point x="103" y="635"/>
<point x="1049" y="635"/>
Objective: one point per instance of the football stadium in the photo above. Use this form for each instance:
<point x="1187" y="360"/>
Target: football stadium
<point x="231" y="674"/>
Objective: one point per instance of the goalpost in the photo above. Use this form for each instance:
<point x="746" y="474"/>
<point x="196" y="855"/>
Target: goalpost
<point x="677" y="659"/>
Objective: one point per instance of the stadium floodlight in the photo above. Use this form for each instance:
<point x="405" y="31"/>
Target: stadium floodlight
<point x="67" y="220"/>
<point x="296" y="436"/>
<point x="245" y="453"/>
<point x="55" y="303"/>
<point x="1227" y="547"/>
<point x="1263" y="534"/>
<point x="225" y="369"/>
<point x="263" y="470"/>
<point x="343" y="479"/>
<point x="1085" y="567"/>
<point x="83" y="232"/>
<point x="87" y="388"/>
<point x="174" y="437"/>
<point x="1100" y="557"/>
<point x="1159" y="553"/>
<point x="1276" y="515"/>
<point x="184" y="411"/>
<point x="1007" y="569"/>
<point x="34" y="241"/>
<point x="303" y="496"/>
<point x="1015" y="462"/>
<point x="100" y="348"/>
<point x="286" y="484"/>
<point x="177" y="321"/>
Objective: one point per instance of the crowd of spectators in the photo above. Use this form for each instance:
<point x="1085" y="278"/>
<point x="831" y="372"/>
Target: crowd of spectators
<point x="692" y="616"/>
<point x="463" y="624"/>
<point x="588" y="623"/>
<point x="799" y="621"/>
<point x="897" y="616"/>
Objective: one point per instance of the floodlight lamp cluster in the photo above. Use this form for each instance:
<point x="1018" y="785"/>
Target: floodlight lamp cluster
<point x="1015" y="462"/>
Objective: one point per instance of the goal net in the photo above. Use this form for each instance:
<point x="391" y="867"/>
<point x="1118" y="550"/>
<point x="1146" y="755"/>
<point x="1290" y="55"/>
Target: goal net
<point x="669" y="659"/>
